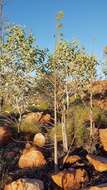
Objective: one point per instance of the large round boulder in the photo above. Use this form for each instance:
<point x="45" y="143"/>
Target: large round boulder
<point x="39" y="140"/>
<point x="31" y="158"/>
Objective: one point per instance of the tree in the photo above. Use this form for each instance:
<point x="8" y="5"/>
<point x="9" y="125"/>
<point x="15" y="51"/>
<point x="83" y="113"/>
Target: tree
<point x="86" y="75"/>
<point x="17" y="64"/>
<point x="59" y="16"/>
<point x="78" y="69"/>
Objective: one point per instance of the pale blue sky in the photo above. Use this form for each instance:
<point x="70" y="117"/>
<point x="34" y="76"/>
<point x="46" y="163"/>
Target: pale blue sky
<point x="85" y="20"/>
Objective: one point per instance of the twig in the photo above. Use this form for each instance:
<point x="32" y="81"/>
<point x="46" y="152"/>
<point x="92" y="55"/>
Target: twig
<point x="69" y="150"/>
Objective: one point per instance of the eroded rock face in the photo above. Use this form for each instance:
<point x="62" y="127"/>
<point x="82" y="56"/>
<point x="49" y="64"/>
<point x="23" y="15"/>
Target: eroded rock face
<point x="37" y="117"/>
<point x="5" y="135"/>
<point x="103" y="138"/>
<point x="25" y="184"/>
<point x="30" y="158"/>
<point x="99" y="162"/>
<point x="39" y="140"/>
<point x="71" y="159"/>
<point x="45" y="119"/>
<point x="70" y="180"/>
<point x="33" y="117"/>
<point x="99" y="187"/>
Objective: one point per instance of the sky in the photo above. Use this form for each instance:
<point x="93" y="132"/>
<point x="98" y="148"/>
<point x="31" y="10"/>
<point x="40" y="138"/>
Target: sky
<point x="84" y="20"/>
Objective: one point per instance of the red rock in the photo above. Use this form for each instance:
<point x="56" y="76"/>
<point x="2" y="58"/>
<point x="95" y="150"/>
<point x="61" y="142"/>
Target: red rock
<point x="5" y="135"/>
<point x="45" y="118"/>
<point x="71" y="159"/>
<point x="70" y="180"/>
<point x="33" y="117"/>
<point x="103" y="138"/>
<point x="99" y="163"/>
<point x="31" y="158"/>
<point x="99" y="187"/>
<point x="25" y="184"/>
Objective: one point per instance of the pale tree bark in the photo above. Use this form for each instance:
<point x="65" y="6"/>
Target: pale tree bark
<point x="67" y="98"/>
<point x="64" y="132"/>
<point x="20" y="116"/>
<point x="55" y="123"/>
<point x="66" y="88"/>
<point x="91" y="113"/>
<point x="1" y="51"/>
<point x="59" y="16"/>
<point x="65" y="112"/>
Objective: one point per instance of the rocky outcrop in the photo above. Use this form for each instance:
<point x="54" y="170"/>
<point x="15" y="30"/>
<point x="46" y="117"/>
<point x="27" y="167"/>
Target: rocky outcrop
<point x="99" y="187"/>
<point x="33" y="117"/>
<point x="25" y="184"/>
<point x="31" y="121"/>
<point x="45" y="118"/>
<point x="5" y="134"/>
<point x="99" y="90"/>
<point x="71" y="159"/>
<point x="31" y="158"/>
<point x="103" y="138"/>
<point x="100" y="94"/>
<point x="98" y="162"/>
<point x="70" y="179"/>
<point x="101" y="103"/>
<point x="100" y="87"/>
<point x="37" y="117"/>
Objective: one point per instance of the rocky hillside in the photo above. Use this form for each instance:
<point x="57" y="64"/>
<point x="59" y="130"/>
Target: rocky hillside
<point x="100" y="94"/>
<point x="99" y="91"/>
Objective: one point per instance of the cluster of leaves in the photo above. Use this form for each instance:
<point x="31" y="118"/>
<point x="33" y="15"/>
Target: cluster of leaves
<point x="17" y="64"/>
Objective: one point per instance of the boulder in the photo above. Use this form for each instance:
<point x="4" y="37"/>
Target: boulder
<point x="39" y="140"/>
<point x="31" y="158"/>
<point x="71" y="159"/>
<point x="103" y="138"/>
<point x="45" y="118"/>
<point x="98" y="162"/>
<point x="33" y="117"/>
<point x="71" y="179"/>
<point x="25" y="184"/>
<point x="5" y="134"/>
<point x="99" y="187"/>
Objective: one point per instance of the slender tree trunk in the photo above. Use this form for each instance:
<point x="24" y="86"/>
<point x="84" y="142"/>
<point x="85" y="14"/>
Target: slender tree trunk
<point x="1" y="51"/>
<point x="55" y="123"/>
<point x="64" y="133"/>
<point x="67" y="98"/>
<point x="20" y="116"/>
<point x="65" y="119"/>
<point x="57" y="39"/>
<point x="91" y="116"/>
<point x="66" y="88"/>
<point x="67" y="102"/>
